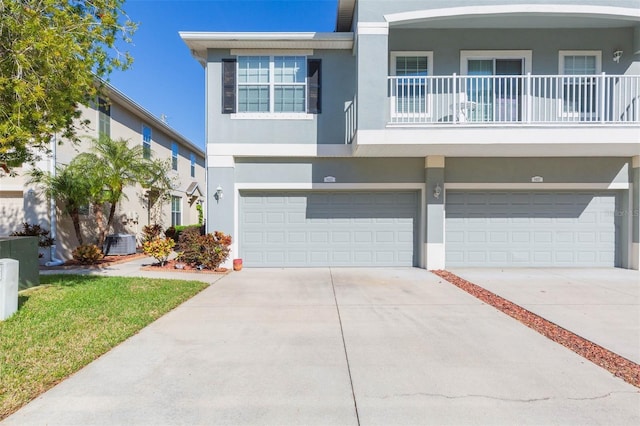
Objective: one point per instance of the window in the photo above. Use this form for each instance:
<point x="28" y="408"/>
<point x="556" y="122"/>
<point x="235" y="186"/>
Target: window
<point x="104" y="117"/>
<point x="146" y="142"/>
<point x="192" y="157"/>
<point x="271" y="85"/>
<point x="174" y="156"/>
<point x="176" y="211"/>
<point x="579" y="97"/>
<point x="409" y="88"/>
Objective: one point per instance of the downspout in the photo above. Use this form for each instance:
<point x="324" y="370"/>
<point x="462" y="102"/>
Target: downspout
<point x="52" y="209"/>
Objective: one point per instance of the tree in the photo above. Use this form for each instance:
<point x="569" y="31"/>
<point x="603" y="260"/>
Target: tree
<point x="69" y="186"/>
<point x="111" y="166"/>
<point x="53" y="55"/>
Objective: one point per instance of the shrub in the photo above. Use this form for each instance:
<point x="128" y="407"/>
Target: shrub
<point x="159" y="249"/>
<point x="151" y="232"/>
<point x="175" y="231"/>
<point x="28" y="230"/>
<point x="88" y="254"/>
<point x="207" y="251"/>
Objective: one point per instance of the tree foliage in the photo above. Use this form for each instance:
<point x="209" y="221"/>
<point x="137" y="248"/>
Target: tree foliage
<point x="52" y="53"/>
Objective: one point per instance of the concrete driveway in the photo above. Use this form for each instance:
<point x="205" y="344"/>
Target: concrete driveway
<point x="336" y="347"/>
<point x="601" y="305"/>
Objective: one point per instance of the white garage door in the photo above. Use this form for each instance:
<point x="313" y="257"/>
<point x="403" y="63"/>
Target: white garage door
<point x="530" y="229"/>
<point x="372" y="228"/>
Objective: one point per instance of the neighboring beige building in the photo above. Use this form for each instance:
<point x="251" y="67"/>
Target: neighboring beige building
<point x="121" y="117"/>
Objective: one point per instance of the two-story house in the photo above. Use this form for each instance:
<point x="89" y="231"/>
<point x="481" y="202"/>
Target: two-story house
<point x="436" y="134"/>
<point x="118" y="117"/>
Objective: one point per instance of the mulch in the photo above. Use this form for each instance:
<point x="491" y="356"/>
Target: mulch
<point x="617" y="365"/>
<point x="170" y="266"/>
<point x="102" y="263"/>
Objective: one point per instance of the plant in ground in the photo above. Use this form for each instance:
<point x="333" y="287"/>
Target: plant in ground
<point x="151" y="232"/>
<point x="208" y="251"/>
<point x="159" y="249"/>
<point x="28" y="230"/>
<point x="88" y="254"/>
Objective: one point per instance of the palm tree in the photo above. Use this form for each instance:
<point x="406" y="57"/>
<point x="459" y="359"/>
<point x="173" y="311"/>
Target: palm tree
<point x="113" y="165"/>
<point x="69" y="187"/>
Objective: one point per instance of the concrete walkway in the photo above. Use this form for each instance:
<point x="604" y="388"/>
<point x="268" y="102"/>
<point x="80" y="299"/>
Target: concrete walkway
<point x="601" y="305"/>
<point x="336" y="347"/>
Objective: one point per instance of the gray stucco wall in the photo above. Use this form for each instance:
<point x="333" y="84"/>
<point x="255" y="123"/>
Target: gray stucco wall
<point x="553" y="170"/>
<point x="345" y="170"/>
<point x="374" y="10"/>
<point x="338" y="87"/>
<point x="545" y="44"/>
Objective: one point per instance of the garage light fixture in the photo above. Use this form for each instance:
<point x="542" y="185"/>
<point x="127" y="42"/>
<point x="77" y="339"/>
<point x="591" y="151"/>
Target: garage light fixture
<point x="437" y="191"/>
<point x="219" y="194"/>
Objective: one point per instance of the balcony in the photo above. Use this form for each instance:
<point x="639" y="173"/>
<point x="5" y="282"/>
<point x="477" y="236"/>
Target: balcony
<point x="514" y="100"/>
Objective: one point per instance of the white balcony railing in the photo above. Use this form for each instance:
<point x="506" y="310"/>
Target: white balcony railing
<point x="528" y="99"/>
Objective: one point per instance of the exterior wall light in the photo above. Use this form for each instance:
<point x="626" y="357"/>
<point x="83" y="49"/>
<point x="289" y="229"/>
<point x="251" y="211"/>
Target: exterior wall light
<point x="617" y="55"/>
<point x="437" y="191"/>
<point x="219" y="194"/>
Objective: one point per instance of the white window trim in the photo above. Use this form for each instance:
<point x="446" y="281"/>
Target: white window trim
<point x="392" y="71"/>
<point x="271" y="115"/>
<point x="465" y="55"/>
<point x="180" y="211"/>
<point x="561" y="71"/>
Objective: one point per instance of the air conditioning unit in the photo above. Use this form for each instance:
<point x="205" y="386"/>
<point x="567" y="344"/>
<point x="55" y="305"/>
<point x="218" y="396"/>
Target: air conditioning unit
<point x="119" y="244"/>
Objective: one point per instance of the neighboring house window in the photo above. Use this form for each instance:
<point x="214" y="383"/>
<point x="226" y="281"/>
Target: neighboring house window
<point x="271" y="84"/>
<point x="146" y="142"/>
<point x="104" y="117"/>
<point x="174" y="156"/>
<point x="410" y="94"/>
<point x="176" y="211"/>
<point x="579" y="95"/>
<point x="192" y="157"/>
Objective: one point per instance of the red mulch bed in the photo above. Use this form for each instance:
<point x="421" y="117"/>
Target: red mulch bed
<point x="102" y="263"/>
<point x="617" y="365"/>
<point x="170" y="266"/>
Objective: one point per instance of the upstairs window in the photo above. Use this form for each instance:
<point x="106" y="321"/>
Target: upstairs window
<point x="104" y="117"/>
<point x="192" y="157"/>
<point x="146" y="142"/>
<point x="410" y="94"/>
<point x="174" y="156"/>
<point x="579" y="88"/>
<point x="271" y="85"/>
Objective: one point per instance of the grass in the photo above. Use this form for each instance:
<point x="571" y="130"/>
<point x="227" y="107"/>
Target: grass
<point x="69" y="321"/>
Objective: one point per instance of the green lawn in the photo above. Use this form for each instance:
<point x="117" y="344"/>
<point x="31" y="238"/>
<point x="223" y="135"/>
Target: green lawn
<point x="69" y="321"/>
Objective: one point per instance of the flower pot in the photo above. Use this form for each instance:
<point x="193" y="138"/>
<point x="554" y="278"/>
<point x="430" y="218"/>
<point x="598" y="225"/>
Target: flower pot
<point x="237" y="264"/>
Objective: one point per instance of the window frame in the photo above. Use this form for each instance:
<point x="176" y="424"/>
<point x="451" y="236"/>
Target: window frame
<point x="103" y="108"/>
<point x="192" y="160"/>
<point x="176" y="213"/>
<point x="393" y="56"/>
<point x="146" y="145"/>
<point x="175" y="152"/>
<point x="272" y="84"/>
<point x="562" y="110"/>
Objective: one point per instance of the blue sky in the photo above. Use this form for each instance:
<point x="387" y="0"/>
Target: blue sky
<point x="165" y="79"/>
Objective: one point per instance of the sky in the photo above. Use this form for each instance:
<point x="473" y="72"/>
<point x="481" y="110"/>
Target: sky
<point x="166" y="79"/>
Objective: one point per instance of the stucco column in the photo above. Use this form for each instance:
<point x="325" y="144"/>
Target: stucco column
<point x="434" y="250"/>
<point x="635" y="213"/>
<point x="221" y="209"/>
<point x="372" y="41"/>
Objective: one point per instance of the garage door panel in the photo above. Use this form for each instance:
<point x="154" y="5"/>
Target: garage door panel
<point x="532" y="229"/>
<point x="362" y="228"/>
